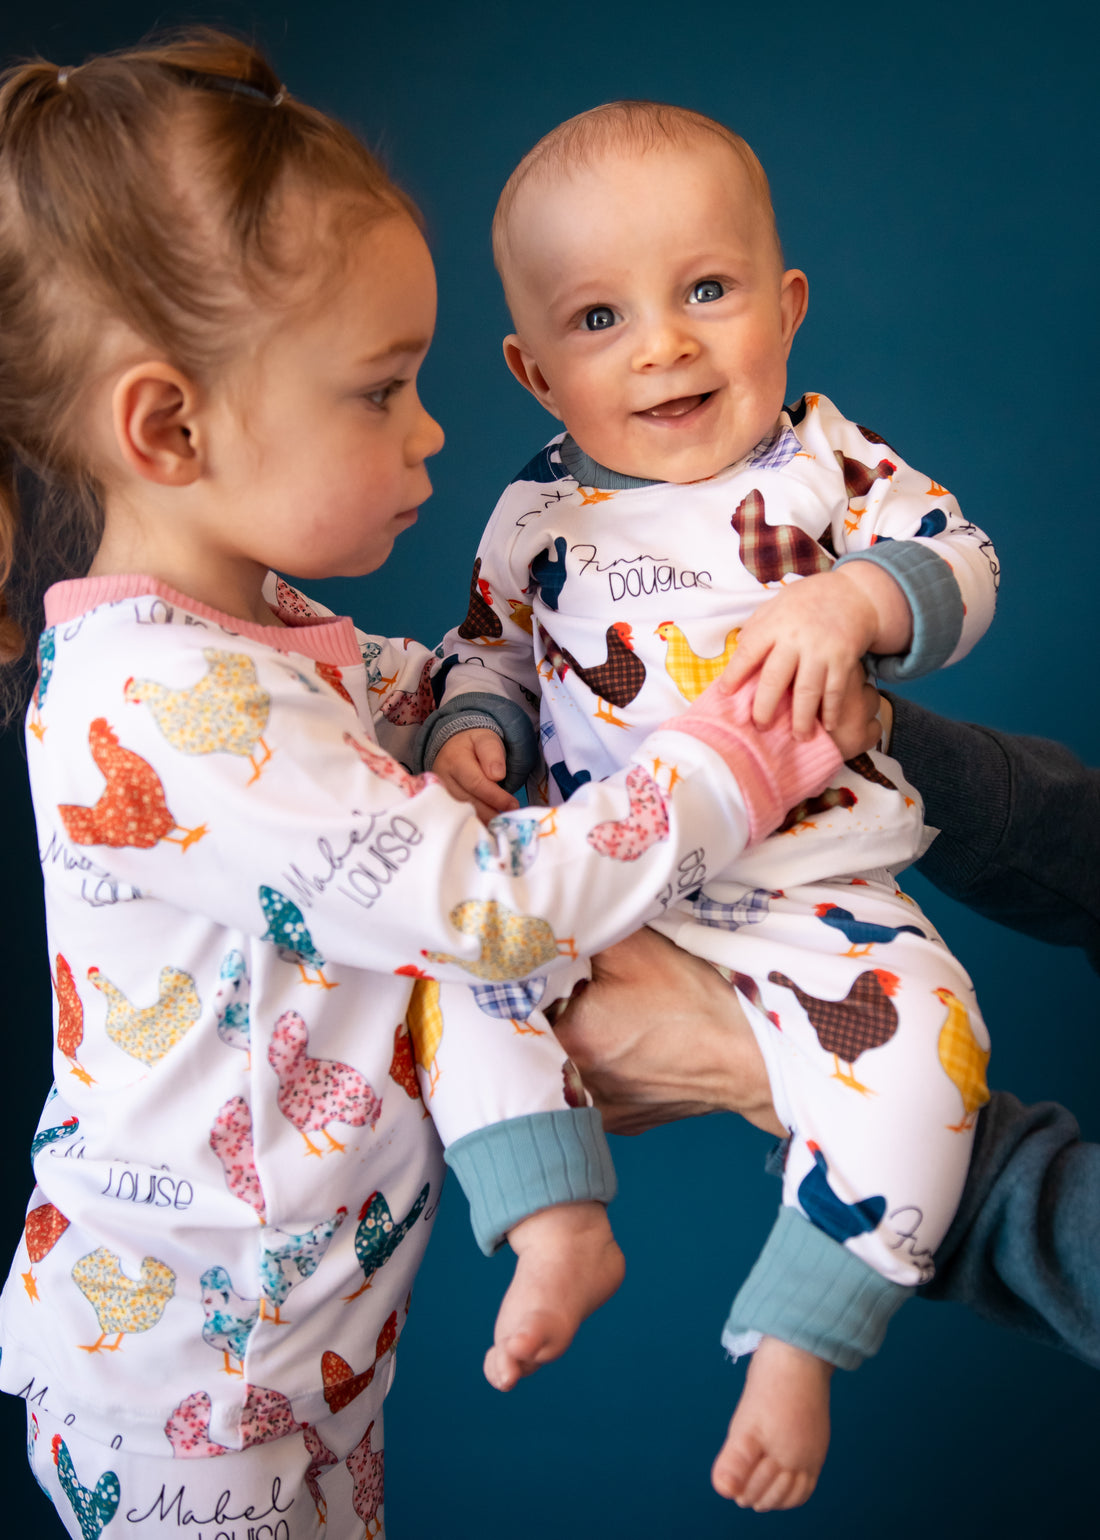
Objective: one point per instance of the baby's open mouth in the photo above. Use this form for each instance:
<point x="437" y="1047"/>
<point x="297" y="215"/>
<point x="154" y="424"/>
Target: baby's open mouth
<point x="680" y="406"/>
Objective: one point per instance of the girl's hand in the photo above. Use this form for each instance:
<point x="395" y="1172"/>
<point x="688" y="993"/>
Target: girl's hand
<point x="470" y="764"/>
<point x="811" y="636"/>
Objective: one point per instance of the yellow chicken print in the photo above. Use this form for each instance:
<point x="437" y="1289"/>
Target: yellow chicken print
<point x="690" y="672"/>
<point x="424" y="1020"/>
<point x="225" y="713"/>
<point x="122" y="1304"/>
<point x="511" y="944"/>
<point x="150" y="1032"/>
<point x="963" y="1058"/>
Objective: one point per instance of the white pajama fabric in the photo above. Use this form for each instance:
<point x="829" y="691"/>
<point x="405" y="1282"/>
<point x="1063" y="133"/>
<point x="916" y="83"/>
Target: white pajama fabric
<point x="602" y="612"/>
<point x="250" y="904"/>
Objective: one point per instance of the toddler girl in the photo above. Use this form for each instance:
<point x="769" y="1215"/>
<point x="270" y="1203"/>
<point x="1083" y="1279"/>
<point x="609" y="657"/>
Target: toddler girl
<point x="216" y="305"/>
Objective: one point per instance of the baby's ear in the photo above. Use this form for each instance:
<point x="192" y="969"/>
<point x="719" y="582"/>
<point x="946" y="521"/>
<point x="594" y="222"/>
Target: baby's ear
<point x="152" y="409"/>
<point x="526" y="370"/>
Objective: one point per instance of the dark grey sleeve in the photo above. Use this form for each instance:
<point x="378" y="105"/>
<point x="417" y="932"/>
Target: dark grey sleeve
<point x="1019" y="820"/>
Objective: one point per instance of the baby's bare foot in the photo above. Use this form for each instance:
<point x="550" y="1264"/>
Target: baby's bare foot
<point x="779" y="1434"/>
<point x="567" y="1265"/>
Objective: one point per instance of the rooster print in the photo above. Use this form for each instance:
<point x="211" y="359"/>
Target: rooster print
<point x="772" y="552"/>
<point x="93" y="1507"/>
<point x="70" y="1018"/>
<point x="378" y="1234"/>
<point x="615" y="682"/>
<point x="341" y="1382"/>
<point x="865" y="1018"/>
<point x="132" y="811"/>
<point x="482" y="623"/>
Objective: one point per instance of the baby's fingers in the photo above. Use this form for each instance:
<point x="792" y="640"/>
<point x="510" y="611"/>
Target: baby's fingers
<point x="746" y="659"/>
<point x="775" y="679"/>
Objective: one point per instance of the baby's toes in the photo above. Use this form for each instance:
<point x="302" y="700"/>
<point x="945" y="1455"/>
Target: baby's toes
<point x="732" y="1470"/>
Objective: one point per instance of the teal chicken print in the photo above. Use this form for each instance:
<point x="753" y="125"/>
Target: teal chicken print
<point x="93" y="1507"/>
<point x="287" y="929"/>
<point x="378" y="1235"/>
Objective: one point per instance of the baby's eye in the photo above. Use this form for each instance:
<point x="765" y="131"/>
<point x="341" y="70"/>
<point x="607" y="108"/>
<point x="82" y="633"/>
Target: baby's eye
<point x="705" y="290"/>
<point x="598" y="319"/>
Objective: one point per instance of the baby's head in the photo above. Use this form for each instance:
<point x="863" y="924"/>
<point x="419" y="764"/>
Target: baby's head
<point x="640" y="261"/>
<point x="169" y="203"/>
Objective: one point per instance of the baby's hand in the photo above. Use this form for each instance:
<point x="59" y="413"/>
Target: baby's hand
<point x="568" y="1264"/>
<point x="811" y="636"/>
<point x="470" y="764"/>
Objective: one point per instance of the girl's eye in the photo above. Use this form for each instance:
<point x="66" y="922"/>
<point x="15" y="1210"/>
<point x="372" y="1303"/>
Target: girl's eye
<point x="598" y="319"/>
<point x="381" y="396"/>
<point x="706" y="290"/>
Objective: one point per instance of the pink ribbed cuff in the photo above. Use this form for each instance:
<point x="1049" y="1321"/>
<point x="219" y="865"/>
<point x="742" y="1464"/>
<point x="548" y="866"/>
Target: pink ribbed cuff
<point x="773" y="769"/>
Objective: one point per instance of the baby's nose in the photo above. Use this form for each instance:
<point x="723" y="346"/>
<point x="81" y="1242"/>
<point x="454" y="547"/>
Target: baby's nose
<point x="664" y="342"/>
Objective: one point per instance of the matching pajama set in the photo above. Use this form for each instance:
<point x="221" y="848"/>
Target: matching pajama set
<point x="251" y="906"/>
<point x="600" y="606"/>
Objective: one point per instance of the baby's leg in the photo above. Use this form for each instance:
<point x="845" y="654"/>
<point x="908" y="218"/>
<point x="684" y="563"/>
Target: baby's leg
<point x="779" y="1434"/>
<point x="567" y="1265"/>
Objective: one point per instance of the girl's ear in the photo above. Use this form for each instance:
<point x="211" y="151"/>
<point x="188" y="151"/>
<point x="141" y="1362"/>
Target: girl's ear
<point x="153" y="406"/>
<point x="527" y="372"/>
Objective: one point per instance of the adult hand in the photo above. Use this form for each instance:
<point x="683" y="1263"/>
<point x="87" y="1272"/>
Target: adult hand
<point x="659" y="1035"/>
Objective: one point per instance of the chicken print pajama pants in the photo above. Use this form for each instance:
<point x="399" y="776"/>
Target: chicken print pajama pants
<point x="875" y="1052"/>
<point x="321" y="1483"/>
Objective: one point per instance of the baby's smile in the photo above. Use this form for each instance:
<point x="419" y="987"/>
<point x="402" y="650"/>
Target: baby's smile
<point x="678" y="407"/>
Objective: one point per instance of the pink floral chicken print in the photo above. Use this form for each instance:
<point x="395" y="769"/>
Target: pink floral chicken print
<point x="231" y="1141"/>
<point x="625" y="839"/>
<point x="316" y="1092"/>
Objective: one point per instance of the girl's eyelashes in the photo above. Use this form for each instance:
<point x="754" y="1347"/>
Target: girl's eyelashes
<point x="706" y="290"/>
<point x="381" y="395"/>
<point x="598" y="319"/>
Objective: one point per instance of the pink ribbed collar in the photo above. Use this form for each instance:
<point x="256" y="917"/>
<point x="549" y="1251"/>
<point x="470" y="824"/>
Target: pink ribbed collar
<point x="325" y="638"/>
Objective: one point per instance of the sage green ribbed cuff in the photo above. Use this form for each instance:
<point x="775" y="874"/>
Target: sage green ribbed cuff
<point x="811" y="1291"/>
<point x="515" y="1168"/>
<point x="932" y="592"/>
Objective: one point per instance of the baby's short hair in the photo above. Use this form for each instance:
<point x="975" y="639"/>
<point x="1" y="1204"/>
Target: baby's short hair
<point x="635" y="126"/>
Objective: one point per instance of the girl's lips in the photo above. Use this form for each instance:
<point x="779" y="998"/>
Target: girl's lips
<point x="676" y="409"/>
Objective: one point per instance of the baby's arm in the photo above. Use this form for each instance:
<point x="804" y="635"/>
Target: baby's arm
<point x="923" y="579"/>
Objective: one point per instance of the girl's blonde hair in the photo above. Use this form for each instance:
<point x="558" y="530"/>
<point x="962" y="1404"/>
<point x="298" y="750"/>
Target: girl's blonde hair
<point x="143" y="188"/>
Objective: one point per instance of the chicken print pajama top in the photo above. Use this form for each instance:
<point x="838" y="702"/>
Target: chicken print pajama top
<point x="250" y="906"/>
<point x="600" y="606"/>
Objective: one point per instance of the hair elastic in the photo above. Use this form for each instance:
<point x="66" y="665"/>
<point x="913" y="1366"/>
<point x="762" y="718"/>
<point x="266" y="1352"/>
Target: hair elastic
<point x="63" y="76"/>
<point x="229" y="85"/>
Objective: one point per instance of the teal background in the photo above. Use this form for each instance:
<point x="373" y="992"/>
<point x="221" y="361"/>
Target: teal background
<point x="934" y="173"/>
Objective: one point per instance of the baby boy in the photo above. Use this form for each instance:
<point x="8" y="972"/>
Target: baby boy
<point x="685" y="518"/>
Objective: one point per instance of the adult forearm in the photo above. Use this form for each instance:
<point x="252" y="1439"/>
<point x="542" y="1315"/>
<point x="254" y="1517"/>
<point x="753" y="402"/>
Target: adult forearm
<point x="1019" y="820"/>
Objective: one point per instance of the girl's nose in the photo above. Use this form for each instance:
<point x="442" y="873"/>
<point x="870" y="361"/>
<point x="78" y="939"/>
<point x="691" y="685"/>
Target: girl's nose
<point x="663" y="342"/>
<point x="425" y="440"/>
